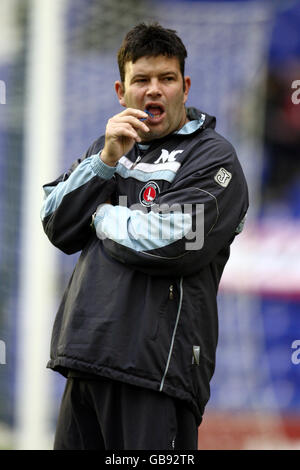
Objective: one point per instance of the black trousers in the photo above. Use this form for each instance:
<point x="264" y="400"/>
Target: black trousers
<point x="104" y="414"/>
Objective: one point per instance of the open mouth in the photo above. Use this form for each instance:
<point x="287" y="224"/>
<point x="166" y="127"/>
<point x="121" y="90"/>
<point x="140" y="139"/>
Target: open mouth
<point x="157" y="112"/>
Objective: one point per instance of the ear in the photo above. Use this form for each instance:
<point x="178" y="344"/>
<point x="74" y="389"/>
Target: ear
<point x="187" y="83"/>
<point x="119" y="87"/>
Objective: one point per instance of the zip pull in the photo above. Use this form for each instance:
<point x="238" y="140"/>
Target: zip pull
<point x="171" y="293"/>
<point x="137" y="161"/>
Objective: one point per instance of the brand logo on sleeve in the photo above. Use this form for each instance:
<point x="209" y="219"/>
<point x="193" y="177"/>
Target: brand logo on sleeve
<point x="149" y="193"/>
<point x="223" y="177"/>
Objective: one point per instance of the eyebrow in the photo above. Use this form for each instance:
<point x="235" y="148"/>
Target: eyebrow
<point x="163" y="74"/>
<point x="169" y="73"/>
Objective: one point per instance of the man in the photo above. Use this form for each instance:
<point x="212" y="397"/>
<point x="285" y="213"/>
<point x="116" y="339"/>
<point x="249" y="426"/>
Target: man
<point x="153" y="207"/>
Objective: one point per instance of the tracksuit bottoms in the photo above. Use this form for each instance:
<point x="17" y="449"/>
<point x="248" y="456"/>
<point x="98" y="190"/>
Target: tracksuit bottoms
<point x="104" y="414"/>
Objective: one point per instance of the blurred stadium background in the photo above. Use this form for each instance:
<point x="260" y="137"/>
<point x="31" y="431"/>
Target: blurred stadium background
<point x="57" y="69"/>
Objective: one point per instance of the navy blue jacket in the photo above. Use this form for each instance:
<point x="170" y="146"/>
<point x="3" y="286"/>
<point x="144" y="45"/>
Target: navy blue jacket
<point x="141" y="306"/>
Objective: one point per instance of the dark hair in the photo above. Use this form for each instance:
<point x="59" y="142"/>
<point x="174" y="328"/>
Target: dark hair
<point x="150" y="40"/>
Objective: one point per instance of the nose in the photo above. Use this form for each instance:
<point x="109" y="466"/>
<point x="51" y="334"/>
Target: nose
<point x="153" y="88"/>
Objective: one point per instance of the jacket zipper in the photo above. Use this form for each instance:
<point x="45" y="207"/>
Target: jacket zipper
<point x="173" y="336"/>
<point x="137" y="161"/>
<point x="171" y="292"/>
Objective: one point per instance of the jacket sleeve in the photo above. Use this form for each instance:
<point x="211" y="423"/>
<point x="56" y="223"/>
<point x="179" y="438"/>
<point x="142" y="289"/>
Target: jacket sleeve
<point x="193" y="220"/>
<point x="71" y="200"/>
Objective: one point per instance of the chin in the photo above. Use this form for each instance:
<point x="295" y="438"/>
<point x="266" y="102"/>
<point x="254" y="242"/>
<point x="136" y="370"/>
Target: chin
<point x="156" y="134"/>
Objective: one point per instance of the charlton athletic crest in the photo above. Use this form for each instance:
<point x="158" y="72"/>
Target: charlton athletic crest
<point x="148" y="194"/>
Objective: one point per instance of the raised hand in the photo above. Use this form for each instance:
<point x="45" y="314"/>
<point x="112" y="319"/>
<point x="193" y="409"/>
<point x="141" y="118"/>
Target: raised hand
<point x="122" y="131"/>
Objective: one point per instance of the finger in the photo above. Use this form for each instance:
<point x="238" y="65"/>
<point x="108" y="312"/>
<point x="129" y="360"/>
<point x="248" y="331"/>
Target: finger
<point x="134" y="112"/>
<point x="133" y="121"/>
<point x="132" y="135"/>
<point x="126" y="130"/>
<point x="118" y="128"/>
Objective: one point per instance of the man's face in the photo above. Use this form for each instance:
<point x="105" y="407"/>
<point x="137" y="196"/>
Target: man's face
<point x="155" y="84"/>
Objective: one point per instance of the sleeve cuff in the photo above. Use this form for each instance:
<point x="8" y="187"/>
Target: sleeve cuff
<point x="100" y="214"/>
<point x="101" y="169"/>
